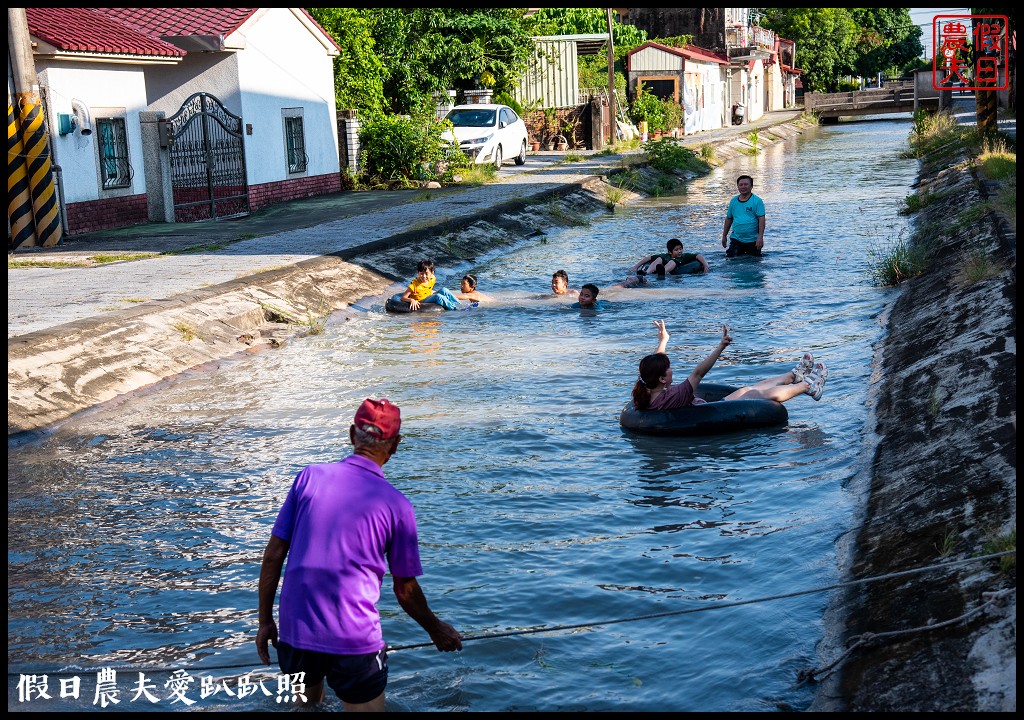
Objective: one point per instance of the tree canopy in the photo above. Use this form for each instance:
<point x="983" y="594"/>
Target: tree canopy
<point x="834" y="42"/>
<point x="409" y="54"/>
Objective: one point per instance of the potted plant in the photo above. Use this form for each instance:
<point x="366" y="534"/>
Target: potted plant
<point x="535" y="145"/>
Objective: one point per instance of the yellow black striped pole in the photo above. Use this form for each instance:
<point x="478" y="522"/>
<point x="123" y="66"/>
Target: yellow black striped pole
<point x="40" y="174"/>
<point x="19" y="199"/>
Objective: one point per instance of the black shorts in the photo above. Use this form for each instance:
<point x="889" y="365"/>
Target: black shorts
<point x="737" y="248"/>
<point x="354" y="678"/>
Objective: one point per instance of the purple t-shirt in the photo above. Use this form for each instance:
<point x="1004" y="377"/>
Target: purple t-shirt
<point x="676" y="396"/>
<point x="342" y="521"/>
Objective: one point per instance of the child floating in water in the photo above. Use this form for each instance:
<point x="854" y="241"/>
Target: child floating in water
<point x="468" y="291"/>
<point x="675" y="261"/>
<point x="421" y="290"/>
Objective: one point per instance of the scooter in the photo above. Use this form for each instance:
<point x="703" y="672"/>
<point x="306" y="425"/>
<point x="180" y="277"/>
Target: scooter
<point x="737" y="114"/>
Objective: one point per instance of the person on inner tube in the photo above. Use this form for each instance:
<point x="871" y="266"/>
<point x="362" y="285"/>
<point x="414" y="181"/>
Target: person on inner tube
<point x="654" y="389"/>
<point x="666" y="263"/>
<point x="421" y="289"/>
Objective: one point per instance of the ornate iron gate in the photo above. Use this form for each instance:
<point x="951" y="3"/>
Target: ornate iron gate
<point x="207" y="161"/>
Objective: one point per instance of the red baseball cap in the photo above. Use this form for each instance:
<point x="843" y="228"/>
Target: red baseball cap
<point x="379" y="417"/>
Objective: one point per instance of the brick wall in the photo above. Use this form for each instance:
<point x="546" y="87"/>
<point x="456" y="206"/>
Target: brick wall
<point x="275" y="192"/>
<point x="92" y="215"/>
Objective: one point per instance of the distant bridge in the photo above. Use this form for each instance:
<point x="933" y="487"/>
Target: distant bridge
<point x="894" y="98"/>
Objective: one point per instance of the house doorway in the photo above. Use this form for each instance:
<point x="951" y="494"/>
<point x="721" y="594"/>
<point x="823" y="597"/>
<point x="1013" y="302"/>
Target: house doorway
<point x="207" y="161"/>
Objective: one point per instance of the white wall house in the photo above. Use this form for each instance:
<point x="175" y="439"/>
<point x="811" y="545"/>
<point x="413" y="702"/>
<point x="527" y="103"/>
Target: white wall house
<point x="692" y="76"/>
<point x="126" y="69"/>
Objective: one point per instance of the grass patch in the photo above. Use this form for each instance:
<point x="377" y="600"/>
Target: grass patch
<point x="247" y="236"/>
<point x="1005" y="203"/>
<point x="573" y="157"/>
<point x="669" y="156"/>
<point x="312" y="320"/>
<point x="188" y="333"/>
<point x="104" y="258"/>
<point x="753" y="138"/>
<point x="613" y="196"/>
<point x="559" y="214"/>
<point x="935" y="134"/>
<point x="707" y="153"/>
<point x="477" y="175"/>
<point x="134" y="300"/>
<point x="975" y="266"/>
<point x="897" y="260"/>
<point x="916" y="202"/>
<point x="948" y="543"/>
<point x="13" y="263"/>
<point x="996" y="160"/>
<point x="1002" y="542"/>
<point x="195" y="249"/>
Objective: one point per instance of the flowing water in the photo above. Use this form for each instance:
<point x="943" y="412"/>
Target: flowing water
<point x="135" y="532"/>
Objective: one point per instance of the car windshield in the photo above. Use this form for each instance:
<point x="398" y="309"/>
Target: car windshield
<point x="471" y="118"/>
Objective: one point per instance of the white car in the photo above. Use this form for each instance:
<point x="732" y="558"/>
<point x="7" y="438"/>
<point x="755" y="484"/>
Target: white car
<point x="488" y="133"/>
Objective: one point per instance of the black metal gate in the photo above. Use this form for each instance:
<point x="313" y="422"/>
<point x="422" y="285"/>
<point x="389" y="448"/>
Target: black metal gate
<point x="207" y="161"/>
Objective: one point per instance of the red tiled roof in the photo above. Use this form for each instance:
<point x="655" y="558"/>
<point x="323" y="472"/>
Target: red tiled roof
<point x="86" y="30"/>
<point x="162" y="22"/>
<point x="690" y="51"/>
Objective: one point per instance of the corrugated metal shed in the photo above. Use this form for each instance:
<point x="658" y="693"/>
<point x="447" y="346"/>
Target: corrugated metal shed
<point x="552" y="80"/>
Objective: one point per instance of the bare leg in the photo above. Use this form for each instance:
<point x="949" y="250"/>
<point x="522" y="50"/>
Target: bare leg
<point x="784" y="379"/>
<point x="314" y="696"/>
<point x="670" y="266"/>
<point x="763" y="391"/>
<point x="375" y="705"/>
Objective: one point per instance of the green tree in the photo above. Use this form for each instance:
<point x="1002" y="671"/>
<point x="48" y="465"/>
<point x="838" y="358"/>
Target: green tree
<point x="358" y="72"/>
<point x="887" y="41"/>
<point x="426" y="50"/>
<point x="825" y="39"/>
<point x="580" y="21"/>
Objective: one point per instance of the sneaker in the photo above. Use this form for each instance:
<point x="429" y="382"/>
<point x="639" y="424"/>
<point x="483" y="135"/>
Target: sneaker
<point x="816" y="383"/>
<point x="804" y="367"/>
<point x="820" y="370"/>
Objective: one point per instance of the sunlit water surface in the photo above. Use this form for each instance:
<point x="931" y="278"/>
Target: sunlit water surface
<point x="135" y="533"/>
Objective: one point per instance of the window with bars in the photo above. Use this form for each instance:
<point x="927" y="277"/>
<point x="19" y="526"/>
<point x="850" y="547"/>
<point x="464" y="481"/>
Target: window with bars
<point x="112" y="143"/>
<point x="296" y="144"/>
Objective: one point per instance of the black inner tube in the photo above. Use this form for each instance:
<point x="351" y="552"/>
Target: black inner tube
<point x="714" y="417"/>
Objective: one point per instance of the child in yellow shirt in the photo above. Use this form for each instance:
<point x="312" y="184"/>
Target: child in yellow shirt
<point x="421" y="289"/>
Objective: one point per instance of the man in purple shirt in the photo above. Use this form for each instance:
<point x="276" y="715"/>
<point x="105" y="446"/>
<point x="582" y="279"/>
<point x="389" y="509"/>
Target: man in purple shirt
<point x="342" y="527"/>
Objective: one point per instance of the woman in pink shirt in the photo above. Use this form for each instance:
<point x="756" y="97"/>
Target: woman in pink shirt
<point x="654" y="389"/>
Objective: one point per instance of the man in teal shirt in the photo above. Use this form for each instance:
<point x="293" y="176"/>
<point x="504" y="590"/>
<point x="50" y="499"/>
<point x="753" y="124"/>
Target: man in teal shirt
<point x="745" y="218"/>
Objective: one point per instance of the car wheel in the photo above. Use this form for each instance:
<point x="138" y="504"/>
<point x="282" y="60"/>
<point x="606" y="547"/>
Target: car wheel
<point x="497" y="158"/>
<point x="521" y="157"/>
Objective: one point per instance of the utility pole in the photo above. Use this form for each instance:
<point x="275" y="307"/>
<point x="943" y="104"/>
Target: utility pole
<point x="26" y="127"/>
<point x="612" y="109"/>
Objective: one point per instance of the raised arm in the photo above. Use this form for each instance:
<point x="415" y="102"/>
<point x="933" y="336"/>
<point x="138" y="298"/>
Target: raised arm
<point x="410" y="597"/>
<point x="662" y="336"/>
<point x="709" y="362"/>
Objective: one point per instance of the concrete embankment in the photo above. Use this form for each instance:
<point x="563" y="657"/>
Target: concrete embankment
<point x="942" y="483"/>
<point x="59" y="371"/>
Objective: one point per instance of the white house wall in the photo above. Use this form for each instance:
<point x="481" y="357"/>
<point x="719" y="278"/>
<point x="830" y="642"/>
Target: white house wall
<point x="98" y="86"/>
<point x="169" y="86"/>
<point x="281" y="54"/>
<point x="703" y="95"/>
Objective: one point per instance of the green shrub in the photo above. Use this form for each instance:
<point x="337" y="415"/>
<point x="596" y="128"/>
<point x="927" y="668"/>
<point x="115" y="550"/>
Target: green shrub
<point x="399" y="150"/>
<point x="668" y="156"/>
<point x="891" y="264"/>
<point x="650" y="108"/>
